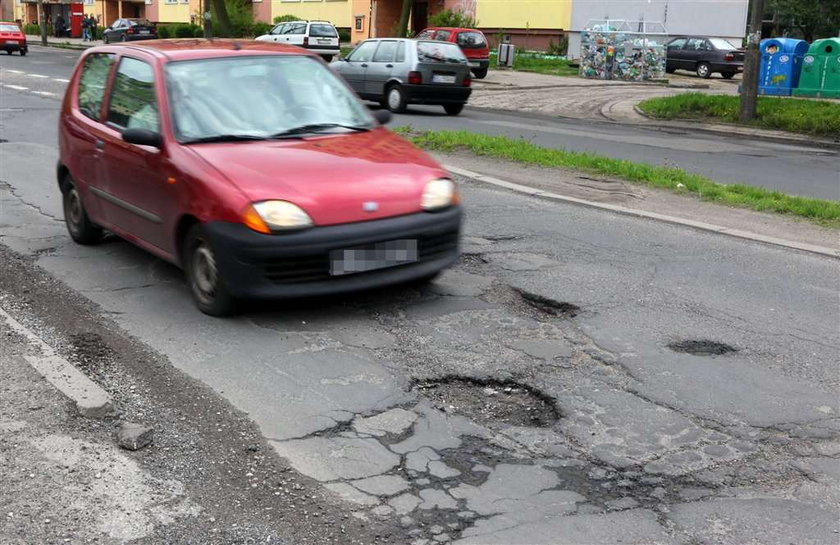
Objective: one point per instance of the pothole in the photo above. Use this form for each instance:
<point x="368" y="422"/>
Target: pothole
<point x="701" y="347"/>
<point x="490" y="401"/>
<point x="548" y="306"/>
<point x="90" y="351"/>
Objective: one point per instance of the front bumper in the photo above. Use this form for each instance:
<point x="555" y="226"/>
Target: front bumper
<point x="478" y="64"/>
<point x="289" y="265"/>
<point x="436" y="94"/>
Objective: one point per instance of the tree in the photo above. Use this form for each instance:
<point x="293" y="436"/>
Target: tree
<point x="813" y="19"/>
<point x="402" y="27"/>
<point x="221" y="15"/>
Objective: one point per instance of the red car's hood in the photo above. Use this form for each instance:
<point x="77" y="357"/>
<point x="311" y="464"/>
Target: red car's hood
<point x="332" y="177"/>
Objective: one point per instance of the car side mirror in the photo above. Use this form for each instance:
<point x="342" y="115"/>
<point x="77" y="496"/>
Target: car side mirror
<point x="143" y="137"/>
<point x="382" y="116"/>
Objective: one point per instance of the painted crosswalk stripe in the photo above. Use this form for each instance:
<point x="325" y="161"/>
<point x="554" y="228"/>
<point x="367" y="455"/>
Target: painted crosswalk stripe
<point x="16" y="87"/>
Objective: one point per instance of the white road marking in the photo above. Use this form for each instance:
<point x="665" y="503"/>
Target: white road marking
<point x="14" y="71"/>
<point x="15" y="87"/>
<point x="45" y="93"/>
<point x="62" y="80"/>
<point x="37" y="76"/>
<point x="90" y="399"/>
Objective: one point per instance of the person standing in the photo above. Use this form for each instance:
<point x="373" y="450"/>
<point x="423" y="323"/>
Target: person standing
<point x="85" y="28"/>
<point x="59" y="26"/>
<point x="94" y="22"/>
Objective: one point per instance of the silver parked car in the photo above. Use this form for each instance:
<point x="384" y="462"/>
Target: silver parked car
<point x="396" y="72"/>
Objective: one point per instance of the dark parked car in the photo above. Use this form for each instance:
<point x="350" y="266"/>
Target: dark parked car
<point x="127" y="30"/>
<point x="397" y="72"/>
<point x="253" y="167"/>
<point x="704" y="56"/>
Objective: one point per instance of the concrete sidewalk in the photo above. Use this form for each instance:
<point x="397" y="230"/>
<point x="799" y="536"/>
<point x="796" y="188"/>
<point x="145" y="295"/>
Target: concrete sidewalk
<point x="76" y="43"/>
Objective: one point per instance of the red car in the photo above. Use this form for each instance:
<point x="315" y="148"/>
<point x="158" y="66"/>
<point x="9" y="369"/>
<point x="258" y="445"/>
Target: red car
<point x="471" y="41"/>
<point x="253" y="167"/>
<point x="12" y="38"/>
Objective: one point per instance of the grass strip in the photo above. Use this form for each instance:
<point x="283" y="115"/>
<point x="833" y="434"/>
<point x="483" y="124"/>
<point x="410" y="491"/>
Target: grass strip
<point x="823" y="212"/>
<point x="526" y="62"/>
<point x="813" y="117"/>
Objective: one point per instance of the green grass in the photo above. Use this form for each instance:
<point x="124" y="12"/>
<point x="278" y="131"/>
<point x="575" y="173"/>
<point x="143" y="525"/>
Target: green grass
<point x="813" y="117"/>
<point x="529" y="62"/>
<point x="824" y="212"/>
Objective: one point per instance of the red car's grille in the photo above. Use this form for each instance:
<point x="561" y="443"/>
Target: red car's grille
<point x="316" y="267"/>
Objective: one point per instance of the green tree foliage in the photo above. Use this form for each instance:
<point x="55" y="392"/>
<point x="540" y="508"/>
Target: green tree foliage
<point x="286" y="18"/>
<point x="813" y="19"/>
<point x="449" y="18"/>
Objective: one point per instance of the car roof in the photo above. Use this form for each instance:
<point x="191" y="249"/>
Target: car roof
<point x="199" y="48"/>
<point x="453" y="28"/>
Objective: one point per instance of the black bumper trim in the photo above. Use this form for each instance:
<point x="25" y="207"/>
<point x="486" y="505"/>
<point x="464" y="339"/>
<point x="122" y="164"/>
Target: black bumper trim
<point x="437" y="94"/>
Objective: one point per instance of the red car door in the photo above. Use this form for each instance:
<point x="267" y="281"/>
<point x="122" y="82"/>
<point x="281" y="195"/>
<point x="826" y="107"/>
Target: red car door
<point x="135" y="183"/>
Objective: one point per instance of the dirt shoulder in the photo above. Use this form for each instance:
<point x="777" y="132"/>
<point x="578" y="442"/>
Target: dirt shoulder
<point x="627" y="194"/>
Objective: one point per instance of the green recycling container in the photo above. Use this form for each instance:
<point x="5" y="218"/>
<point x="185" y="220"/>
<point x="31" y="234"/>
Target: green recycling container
<point x="820" y="75"/>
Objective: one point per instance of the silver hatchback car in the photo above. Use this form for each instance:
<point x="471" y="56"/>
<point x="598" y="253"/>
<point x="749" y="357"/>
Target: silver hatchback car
<point x="396" y="72"/>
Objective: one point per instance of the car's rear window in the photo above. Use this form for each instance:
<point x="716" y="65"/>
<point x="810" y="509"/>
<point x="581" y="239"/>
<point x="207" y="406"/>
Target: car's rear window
<point x="471" y="40"/>
<point x="720" y="43"/>
<point x="322" y="31"/>
<point x="440" y="52"/>
<point x="141" y="22"/>
<point x="9" y="28"/>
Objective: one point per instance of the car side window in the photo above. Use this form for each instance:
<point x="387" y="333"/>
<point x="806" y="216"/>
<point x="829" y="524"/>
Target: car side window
<point x="297" y="28"/>
<point x="92" y="82"/>
<point x="363" y="53"/>
<point x="443" y="35"/>
<point x="695" y="44"/>
<point x="401" y="52"/>
<point x="677" y="44"/>
<point x="277" y="29"/>
<point x="386" y="52"/>
<point x="425" y="35"/>
<point x="133" y="104"/>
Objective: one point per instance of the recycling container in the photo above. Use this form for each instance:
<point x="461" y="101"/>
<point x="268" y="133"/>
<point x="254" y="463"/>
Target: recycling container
<point x="781" y="64"/>
<point x="821" y="70"/>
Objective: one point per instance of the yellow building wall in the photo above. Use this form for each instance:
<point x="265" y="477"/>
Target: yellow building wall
<point x="338" y="12"/>
<point x="512" y="14"/>
<point x="173" y="13"/>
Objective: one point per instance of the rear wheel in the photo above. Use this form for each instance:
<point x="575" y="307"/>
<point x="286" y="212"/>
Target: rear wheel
<point x="480" y="73"/>
<point x="327" y="58"/>
<point x="395" y="99"/>
<point x="704" y="70"/>
<point x="206" y="284"/>
<point x="105" y="39"/>
<point x="23" y="52"/>
<point x="8" y="52"/>
<point x="81" y="229"/>
<point x="728" y="75"/>
<point x="453" y="109"/>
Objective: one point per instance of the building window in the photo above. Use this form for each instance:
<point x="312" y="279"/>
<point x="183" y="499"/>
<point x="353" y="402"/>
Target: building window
<point x="360" y="21"/>
<point x="87" y="2"/>
<point x="170" y="1"/>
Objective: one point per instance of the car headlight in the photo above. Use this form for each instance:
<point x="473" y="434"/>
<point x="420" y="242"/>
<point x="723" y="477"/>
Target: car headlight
<point x="268" y="216"/>
<point x="439" y="194"/>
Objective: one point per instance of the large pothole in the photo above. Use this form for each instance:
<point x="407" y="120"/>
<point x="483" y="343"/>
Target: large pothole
<point x="491" y="402"/>
<point x="701" y="347"/>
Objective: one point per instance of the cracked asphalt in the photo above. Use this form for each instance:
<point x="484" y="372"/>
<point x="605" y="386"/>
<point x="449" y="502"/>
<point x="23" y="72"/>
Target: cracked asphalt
<point x="418" y="412"/>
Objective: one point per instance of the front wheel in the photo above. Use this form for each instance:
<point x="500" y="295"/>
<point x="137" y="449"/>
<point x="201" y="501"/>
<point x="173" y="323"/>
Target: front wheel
<point x="480" y="73"/>
<point x="395" y="99"/>
<point x="704" y="70"/>
<point x="105" y="39"/>
<point x="81" y="229"/>
<point x="206" y="283"/>
<point x="453" y="109"/>
<point x="123" y="38"/>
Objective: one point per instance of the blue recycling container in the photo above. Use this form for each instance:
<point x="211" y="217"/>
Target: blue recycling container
<point x="781" y="64"/>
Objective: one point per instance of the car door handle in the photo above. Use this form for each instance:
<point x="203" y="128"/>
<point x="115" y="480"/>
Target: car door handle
<point x="100" y="144"/>
<point x="363" y="65"/>
<point x="389" y="66"/>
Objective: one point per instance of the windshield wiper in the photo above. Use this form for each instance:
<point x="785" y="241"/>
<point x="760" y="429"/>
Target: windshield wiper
<point x="224" y="138"/>
<point x="315" y="128"/>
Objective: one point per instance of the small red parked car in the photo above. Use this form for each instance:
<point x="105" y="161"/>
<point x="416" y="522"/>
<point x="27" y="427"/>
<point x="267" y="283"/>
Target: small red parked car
<point x="12" y="39"/>
<point x="253" y="167"/>
<point x="471" y="41"/>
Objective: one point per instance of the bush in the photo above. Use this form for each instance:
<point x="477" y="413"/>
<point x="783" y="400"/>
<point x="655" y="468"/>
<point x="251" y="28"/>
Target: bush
<point x="451" y="18"/>
<point x="344" y="35"/>
<point x="260" y="28"/>
<point x="164" y="32"/>
<point x="286" y="18"/>
<point x="199" y="32"/>
<point x="184" y="31"/>
<point x="32" y="29"/>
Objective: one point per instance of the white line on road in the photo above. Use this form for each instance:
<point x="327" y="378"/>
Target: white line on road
<point x="62" y="80"/>
<point x="37" y="76"/>
<point x="13" y="71"/>
<point x="15" y="87"/>
<point x="91" y="400"/>
<point x="44" y="93"/>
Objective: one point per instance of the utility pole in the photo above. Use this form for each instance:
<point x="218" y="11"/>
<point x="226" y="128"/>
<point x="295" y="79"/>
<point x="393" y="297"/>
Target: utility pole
<point x="752" y="60"/>
<point x="42" y="17"/>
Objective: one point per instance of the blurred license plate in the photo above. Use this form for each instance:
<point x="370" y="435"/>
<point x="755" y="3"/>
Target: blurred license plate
<point x="144" y="32"/>
<point x="323" y="40"/>
<point x="15" y="42"/>
<point x="372" y="257"/>
<point x="437" y="78"/>
<point x="474" y="64"/>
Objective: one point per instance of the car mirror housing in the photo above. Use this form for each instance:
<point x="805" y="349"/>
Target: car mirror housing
<point x="382" y="116"/>
<point x="143" y="137"/>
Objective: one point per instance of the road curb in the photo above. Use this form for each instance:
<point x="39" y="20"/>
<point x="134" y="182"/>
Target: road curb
<point x="90" y="399"/>
<point x="702" y="226"/>
<point x="735" y="130"/>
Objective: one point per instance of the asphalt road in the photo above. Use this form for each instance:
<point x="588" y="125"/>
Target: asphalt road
<point x="797" y="170"/>
<point x="579" y="377"/>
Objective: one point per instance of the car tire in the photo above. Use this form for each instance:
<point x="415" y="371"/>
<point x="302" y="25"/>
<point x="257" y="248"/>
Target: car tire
<point x="481" y="73"/>
<point x="728" y="75"/>
<point x="105" y="39"/>
<point x="207" y="286"/>
<point x="395" y="99"/>
<point x="123" y="38"/>
<point x="23" y="52"/>
<point x="704" y="70"/>
<point x="327" y="58"/>
<point x="8" y="52"/>
<point x="81" y="229"/>
<point x="670" y="69"/>
<point x="453" y="109"/>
